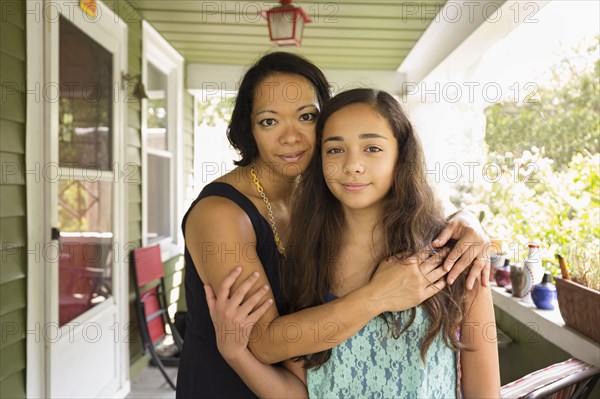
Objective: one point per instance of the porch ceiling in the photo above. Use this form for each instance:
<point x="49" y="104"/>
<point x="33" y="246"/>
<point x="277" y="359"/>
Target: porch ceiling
<point x="344" y="34"/>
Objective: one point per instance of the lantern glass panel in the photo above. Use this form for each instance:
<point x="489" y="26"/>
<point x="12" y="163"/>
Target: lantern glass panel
<point x="299" y="29"/>
<point x="282" y="24"/>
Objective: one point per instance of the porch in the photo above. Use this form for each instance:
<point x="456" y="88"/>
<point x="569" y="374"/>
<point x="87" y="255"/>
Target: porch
<point x="181" y="52"/>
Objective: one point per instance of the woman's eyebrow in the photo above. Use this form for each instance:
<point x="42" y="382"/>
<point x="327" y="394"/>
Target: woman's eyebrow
<point x="275" y="112"/>
<point x="265" y="111"/>
<point x="307" y="106"/>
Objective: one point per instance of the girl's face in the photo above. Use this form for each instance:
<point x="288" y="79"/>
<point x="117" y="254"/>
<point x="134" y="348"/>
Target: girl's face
<point x="284" y="116"/>
<point x="359" y="155"/>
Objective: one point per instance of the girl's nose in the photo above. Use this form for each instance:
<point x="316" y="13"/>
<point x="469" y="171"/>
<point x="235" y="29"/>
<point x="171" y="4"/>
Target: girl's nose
<point x="353" y="165"/>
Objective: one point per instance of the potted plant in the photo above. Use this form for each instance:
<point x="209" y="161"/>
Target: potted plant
<point x="579" y="295"/>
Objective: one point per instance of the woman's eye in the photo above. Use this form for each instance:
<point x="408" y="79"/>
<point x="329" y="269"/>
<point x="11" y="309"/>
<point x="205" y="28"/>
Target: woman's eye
<point x="268" y="122"/>
<point x="334" y="150"/>
<point x="373" y="149"/>
<point x="308" y="117"/>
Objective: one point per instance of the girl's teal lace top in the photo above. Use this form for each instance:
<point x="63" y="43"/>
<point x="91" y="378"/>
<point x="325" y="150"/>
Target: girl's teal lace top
<point x="372" y="364"/>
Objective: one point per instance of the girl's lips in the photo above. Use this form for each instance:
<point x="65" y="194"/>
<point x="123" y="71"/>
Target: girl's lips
<point x="292" y="157"/>
<point x="354" y="186"/>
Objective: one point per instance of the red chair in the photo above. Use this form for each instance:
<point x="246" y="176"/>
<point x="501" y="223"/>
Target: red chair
<point x="151" y="305"/>
<point x="571" y="379"/>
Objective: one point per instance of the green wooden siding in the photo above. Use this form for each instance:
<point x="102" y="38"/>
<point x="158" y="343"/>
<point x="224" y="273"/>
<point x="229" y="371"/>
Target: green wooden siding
<point x="13" y="223"/>
<point x="133" y="157"/>
<point x="173" y="277"/>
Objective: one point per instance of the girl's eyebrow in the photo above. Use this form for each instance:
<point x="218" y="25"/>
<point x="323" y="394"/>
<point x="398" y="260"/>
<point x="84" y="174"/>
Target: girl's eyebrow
<point x="362" y="136"/>
<point x="298" y="110"/>
<point x="365" y="136"/>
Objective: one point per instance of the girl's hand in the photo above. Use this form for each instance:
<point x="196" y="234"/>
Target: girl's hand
<point x="234" y="317"/>
<point x="400" y="284"/>
<point x="472" y="248"/>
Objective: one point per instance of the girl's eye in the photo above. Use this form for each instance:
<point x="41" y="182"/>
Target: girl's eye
<point x="373" y="149"/>
<point x="308" y="117"/>
<point x="334" y="150"/>
<point x="268" y="122"/>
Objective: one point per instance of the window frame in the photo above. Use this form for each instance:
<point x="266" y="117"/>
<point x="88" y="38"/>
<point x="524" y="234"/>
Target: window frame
<point x="165" y="58"/>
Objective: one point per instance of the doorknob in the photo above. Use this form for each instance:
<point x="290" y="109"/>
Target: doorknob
<point x="55" y="233"/>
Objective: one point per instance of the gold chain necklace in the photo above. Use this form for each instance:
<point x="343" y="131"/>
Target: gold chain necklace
<point x="261" y="191"/>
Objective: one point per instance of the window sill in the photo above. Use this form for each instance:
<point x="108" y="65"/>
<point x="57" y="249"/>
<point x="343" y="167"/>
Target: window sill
<point x="549" y="324"/>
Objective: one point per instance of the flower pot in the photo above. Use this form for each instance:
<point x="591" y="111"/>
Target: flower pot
<point x="579" y="307"/>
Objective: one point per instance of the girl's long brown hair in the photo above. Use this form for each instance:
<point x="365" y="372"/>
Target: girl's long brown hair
<point x="412" y="218"/>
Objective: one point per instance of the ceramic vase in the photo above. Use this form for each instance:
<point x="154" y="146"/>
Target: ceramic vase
<point x="520" y="280"/>
<point x="502" y="276"/>
<point x="544" y="293"/>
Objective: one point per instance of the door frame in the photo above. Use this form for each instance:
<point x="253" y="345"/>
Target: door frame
<point x="41" y="118"/>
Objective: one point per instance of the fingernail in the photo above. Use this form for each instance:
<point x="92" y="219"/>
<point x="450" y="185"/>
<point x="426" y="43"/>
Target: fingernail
<point x="265" y="287"/>
<point x="450" y="280"/>
<point x="436" y="241"/>
<point x="255" y="274"/>
<point x="270" y="300"/>
<point x="237" y="269"/>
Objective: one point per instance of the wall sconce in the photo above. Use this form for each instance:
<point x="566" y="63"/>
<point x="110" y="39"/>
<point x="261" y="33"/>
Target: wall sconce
<point x="139" y="91"/>
<point x="286" y="23"/>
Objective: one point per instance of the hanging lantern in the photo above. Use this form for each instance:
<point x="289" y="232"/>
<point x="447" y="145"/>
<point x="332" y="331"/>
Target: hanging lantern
<point x="286" y="23"/>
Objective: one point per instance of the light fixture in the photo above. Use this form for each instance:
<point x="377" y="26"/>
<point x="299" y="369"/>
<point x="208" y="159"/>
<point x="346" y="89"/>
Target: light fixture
<point x="139" y="91"/>
<point x="286" y="23"/>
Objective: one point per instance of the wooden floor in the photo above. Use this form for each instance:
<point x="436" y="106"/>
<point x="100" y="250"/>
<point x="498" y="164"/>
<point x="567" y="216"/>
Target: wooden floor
<point x="151" y="384"/>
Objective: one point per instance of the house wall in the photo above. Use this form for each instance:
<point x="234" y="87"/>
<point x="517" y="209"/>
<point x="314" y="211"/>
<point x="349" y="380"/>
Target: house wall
<point x="173" y="266"/>
<point x="13" y="228"/>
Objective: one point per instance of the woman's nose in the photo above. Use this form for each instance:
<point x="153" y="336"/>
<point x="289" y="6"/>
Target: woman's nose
<point x="291" y="134"/>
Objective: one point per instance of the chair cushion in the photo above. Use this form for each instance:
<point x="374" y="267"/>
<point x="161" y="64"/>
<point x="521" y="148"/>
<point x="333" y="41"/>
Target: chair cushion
<point x="541" y="378"/>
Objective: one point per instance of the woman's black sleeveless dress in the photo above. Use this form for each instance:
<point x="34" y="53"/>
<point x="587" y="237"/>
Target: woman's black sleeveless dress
<point x="203" y="373"/>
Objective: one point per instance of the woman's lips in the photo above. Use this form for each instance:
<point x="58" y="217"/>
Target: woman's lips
<point x="293" y="156"/>
<point x="354" y="186"/>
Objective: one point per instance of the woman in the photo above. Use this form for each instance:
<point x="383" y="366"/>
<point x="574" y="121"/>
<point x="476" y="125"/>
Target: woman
<point x="241" y="219"/>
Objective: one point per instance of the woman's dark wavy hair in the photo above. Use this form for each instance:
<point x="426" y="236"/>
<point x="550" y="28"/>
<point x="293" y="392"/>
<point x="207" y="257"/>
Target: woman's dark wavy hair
<point x="412" y="217"/>
<point x="239" y="131"/>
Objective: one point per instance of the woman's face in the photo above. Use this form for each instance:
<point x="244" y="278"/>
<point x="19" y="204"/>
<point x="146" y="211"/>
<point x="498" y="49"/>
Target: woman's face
<point x="284" y="115"/>
<point x="359" y="155"/>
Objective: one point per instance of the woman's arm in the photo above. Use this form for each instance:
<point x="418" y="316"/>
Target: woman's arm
<point x="219" y="236"/>
<point x="480" y="367"/>
<point x="472" y="248"/>
<point x="397" y="285"/>
<point x="265" y="380"/>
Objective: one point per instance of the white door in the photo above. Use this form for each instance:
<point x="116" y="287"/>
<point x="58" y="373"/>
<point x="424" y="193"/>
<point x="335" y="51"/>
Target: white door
<point x="85" y="332"/>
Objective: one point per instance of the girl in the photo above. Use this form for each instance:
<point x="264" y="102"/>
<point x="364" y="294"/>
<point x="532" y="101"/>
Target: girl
<point x="242" y="219"/>
<point x="364" y="198"/>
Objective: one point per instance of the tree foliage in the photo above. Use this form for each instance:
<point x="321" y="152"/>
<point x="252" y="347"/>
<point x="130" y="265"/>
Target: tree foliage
<point x="215" y="108"/>
<point x="562" y="119"/>
<point x="547" y="188"/>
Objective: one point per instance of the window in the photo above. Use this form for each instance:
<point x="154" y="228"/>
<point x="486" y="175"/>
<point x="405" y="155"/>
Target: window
<point x="162" y="72"/>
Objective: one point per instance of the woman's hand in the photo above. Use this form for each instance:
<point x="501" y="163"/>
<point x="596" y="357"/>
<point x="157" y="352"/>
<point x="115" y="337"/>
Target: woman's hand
<point x="400" y="284"/>
<point x="233" y="316"/>
<point x="472" y="248"/>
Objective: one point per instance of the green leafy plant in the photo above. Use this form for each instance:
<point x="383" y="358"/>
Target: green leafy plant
<point x="548" y="192"/>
